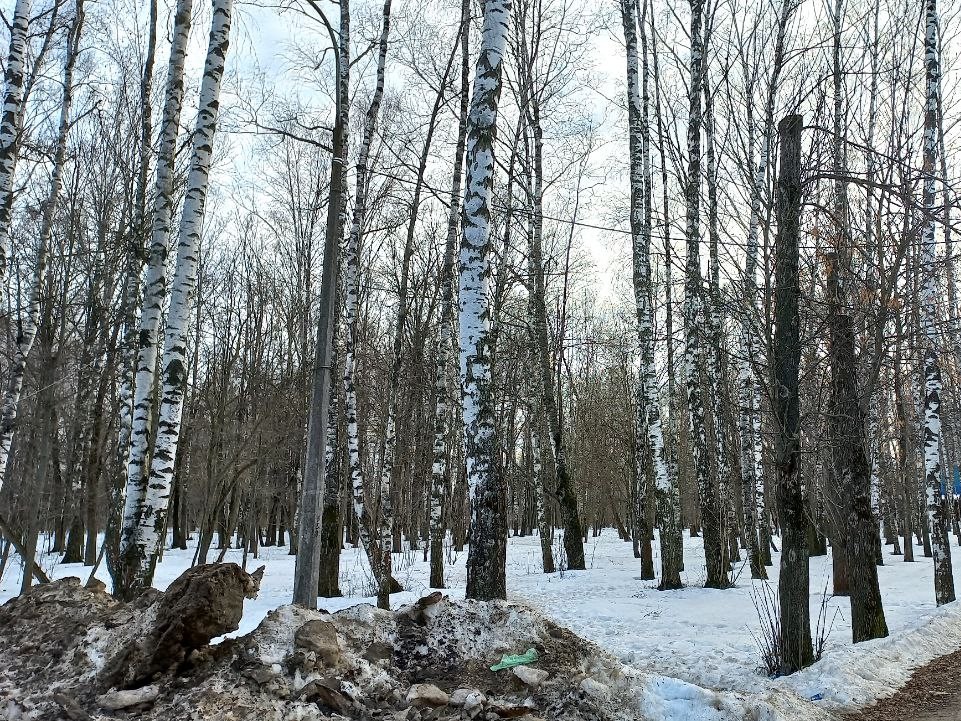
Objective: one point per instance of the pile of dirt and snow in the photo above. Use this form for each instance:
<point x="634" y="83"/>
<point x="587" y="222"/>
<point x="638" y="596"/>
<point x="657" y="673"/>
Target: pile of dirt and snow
<point x="75" y="652"/>
<point x="693" y="649"/>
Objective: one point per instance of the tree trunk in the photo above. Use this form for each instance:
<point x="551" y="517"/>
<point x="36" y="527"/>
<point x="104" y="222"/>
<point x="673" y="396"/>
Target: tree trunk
<point x="854" y="475"/>
<point x="793" y="582"/>
<point x="563" y="487"/>
<point x="537" y="479"/>
<point x="149" y="536"/>
<point x="694" y="322"/>
<point x="11" y="122"/>
<point x="131" y="498"/>
<point x="487" y="557"/>
<point x="855" y="528"/>
<point x="374" y="529"/>
<point x="440" y="475"/>
<point x="29" y="321"/>
<point x="331" y="520"/>
<point x="671" y="527"/>
<point x="649" y="429"/>
<point x="931" y="430"/>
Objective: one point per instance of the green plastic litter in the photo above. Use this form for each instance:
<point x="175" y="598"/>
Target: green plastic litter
<point x="511" y="660"/>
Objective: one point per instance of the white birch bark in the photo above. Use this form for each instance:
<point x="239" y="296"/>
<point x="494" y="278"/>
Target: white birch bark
<point x="131" y="309"/>
<point x="649" y="426"/>
<point x="931" y="430"/>
<point x="152" y="523"/>
<point x="487" y="553"/>
<point x="11" y="121"/>
<point x="672" y="396"/>
<point x="694" y="320"/>
<point x="154" y="295"/>
<point x="28" y="321"/>
<point x="445" y="337"/>
<point x="379" y="557"/>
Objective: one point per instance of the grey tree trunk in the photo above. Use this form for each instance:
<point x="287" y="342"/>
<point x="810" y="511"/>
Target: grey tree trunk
<point x="563" y="487"/>
<point x="907" y="457"/>
<point x="854" y="470"/>
<point x="307" y="564"/>
<point x="330" y="520"/>
<point x="794" y="579"/>
<point x="855" y="528"/>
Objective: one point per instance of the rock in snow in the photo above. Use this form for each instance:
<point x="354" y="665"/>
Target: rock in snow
<point x="427" y="694"/>
<point x="468" y="698"/>
<point x="117" y="700"/>
<point x="595" y="689"/>
<point x="320" y="637"/>
<point x="533" y="677"/>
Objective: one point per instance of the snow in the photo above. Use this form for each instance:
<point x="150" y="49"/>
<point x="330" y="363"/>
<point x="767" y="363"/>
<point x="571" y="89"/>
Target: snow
<point x="694" y="648"/>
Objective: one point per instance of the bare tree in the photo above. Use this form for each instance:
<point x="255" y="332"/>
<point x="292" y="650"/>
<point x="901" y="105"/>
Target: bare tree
<point x="488" y="549"/>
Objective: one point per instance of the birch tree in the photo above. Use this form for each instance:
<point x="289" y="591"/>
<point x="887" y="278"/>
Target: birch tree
<point x="715" y="377"/>
<point x="445" y="340"/>
<point x="154" y="295"/>
<point x="129" y="351"/>
<point x="931" y="430"/>
<point x="374" y="528"/>
<point x="150" y="533"/>
<point x="11" y="122"/>
<point x="534" y="426"/>
<point x="28" y="320"/>
<point x="694" y="320"/>
<point x="488" y="549"/>
<point x="649" y="427"/>
<point x="673" y="426"/>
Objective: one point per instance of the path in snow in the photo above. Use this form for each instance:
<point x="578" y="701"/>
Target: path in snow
<point x="933" y="693"/>
<point x="952" y="712"/>
<point x="698" y="636"/>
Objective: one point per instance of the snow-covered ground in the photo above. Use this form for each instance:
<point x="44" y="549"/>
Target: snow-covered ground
<point x="698" y="644"/>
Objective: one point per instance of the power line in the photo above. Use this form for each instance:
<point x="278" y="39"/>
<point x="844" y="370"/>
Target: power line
<point x="592" y="226"/>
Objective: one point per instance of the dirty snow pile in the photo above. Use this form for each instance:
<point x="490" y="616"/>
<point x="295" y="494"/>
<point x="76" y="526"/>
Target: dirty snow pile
<point x="75" y="652"/>
<point x="692" y="652"/>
